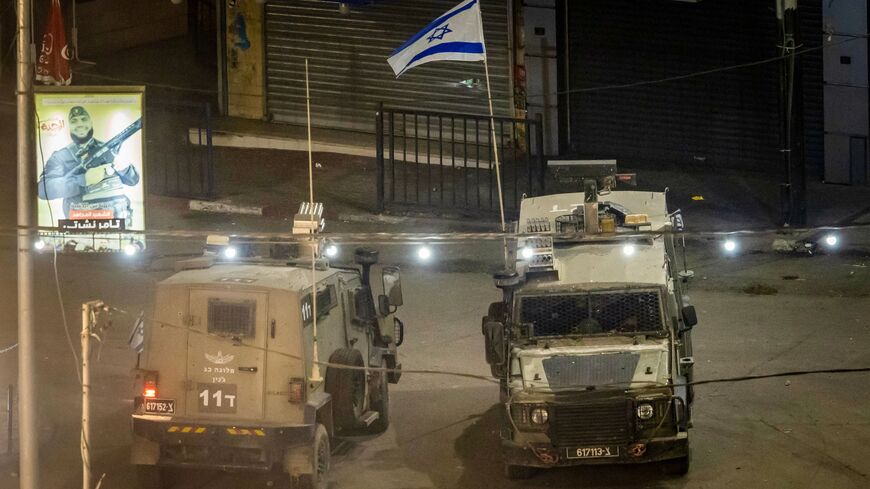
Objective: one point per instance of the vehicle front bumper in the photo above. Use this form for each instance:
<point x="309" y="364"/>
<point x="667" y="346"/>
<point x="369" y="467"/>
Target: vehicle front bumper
<point x="643" y="451"/>
<point x="209" y="445"/>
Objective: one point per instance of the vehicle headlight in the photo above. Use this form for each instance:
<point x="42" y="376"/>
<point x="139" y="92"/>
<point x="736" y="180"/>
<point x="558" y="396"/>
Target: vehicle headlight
<point x="645" y="411"/>
<point x="539" y="415"/>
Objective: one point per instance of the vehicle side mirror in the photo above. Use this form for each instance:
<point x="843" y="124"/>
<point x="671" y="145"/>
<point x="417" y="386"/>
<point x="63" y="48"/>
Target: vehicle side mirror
<point x="493" y="335"/>
<point x="384" y="305"/>
<point x="690" y="317"/>
<point x="392" y="285"/>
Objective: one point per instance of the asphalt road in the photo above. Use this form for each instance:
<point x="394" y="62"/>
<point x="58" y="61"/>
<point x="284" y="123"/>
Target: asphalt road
<point x="810" y="431"/>
<point x="794" y="432"/>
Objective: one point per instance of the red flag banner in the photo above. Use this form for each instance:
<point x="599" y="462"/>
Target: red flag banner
<point x="52" y="67"/>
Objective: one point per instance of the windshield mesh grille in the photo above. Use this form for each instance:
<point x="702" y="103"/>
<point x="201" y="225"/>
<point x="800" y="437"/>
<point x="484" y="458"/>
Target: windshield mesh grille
<point x="231" y="318"/>
<point x="591" y="313"/>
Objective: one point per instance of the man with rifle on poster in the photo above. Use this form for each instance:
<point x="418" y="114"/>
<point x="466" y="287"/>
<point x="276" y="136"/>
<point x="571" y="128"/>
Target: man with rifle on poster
<point x="85" y="175"/>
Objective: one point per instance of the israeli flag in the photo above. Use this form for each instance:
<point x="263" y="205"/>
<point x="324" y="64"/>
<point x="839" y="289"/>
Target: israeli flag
<point x="456" y="36"/>
<point x="137" y="336"/>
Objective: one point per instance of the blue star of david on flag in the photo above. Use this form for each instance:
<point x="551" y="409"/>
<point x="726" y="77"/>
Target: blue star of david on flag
<point x="439" y="33"/>
<point x="465" y="42"/>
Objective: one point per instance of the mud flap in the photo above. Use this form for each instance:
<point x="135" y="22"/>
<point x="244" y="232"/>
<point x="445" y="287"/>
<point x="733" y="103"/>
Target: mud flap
<point x="394" y="376"/>
<point x="299" y="460"/>
<point x="144" y="451"/>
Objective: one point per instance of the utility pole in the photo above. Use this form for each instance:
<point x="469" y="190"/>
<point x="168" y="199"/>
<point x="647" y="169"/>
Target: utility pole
<point x="794" y="187"/>
<point x="89" y="328"/>
<point x="27" y="425"/>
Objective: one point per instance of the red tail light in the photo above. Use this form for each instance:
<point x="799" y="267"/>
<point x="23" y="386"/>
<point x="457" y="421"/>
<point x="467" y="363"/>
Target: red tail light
<point x="150" y="386"/>
<point x="296" y="390"/>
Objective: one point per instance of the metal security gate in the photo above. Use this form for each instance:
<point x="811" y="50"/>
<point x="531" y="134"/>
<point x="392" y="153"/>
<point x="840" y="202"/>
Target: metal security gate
<point x="443" y="162"/>
<point x="347" y="55"/>
<point x="727" y="119"/>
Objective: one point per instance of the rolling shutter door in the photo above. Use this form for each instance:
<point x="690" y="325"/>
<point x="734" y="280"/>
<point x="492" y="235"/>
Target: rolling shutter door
<point x="814" y="106"/>
<point x="727" y="119"/>
<point x="347" y="56"/>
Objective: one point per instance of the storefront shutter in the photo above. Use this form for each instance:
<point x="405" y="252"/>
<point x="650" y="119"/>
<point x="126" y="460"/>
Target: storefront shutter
<point x="347" y="56"/>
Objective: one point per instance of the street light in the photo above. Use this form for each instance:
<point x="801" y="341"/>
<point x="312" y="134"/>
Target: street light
<point x="130" y="249"/>
<point x="230" y="252"/>
<point x="424" y="253"/>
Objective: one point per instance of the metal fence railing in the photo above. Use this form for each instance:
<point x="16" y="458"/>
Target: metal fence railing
<point x="435" y="161"/>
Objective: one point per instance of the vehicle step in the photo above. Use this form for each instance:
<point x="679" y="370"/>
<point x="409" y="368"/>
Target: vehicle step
<point x="369" y="417"/>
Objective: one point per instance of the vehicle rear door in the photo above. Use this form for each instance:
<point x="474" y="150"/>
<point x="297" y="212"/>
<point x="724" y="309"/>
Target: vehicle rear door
<point x="225" y="354"/>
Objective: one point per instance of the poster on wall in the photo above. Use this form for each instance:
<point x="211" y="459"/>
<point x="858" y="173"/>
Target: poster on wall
<point x="89" y="157"/>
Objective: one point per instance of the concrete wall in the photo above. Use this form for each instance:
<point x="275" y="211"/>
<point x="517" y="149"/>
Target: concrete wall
<point x="112" y="25"/>
<point x="245" y="59"/>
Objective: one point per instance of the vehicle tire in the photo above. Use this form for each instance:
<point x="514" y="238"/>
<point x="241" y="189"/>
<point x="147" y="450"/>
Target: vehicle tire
<point x="321" y="460"/>
<point x="497" y="312"/>
<point x="382" y="406"/>
<point x="149" y="477"/>
<point x="347" y="388"/>
<point x="517" y="472"/>
<point x="677" y="466"/>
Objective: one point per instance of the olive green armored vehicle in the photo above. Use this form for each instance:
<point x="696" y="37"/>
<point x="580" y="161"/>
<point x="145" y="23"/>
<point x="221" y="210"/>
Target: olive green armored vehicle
<point x="592" y="340"/>
<point x="244" y="368"/>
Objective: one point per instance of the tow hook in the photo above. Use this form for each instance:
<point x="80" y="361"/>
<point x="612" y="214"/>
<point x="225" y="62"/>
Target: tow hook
<point x="637" y="450"/>
<point x="547" y="457"/>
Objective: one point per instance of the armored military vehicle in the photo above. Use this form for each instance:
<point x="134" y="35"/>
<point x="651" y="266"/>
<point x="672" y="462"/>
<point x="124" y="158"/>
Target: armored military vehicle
<point x="244" y="368"/>
<point x="592" y="341"/>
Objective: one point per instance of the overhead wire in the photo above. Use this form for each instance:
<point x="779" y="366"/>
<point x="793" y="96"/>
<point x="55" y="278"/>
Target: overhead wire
<point x="695" y="74"/>
<point x="489" y="379"/>
<point x="393" y="238"/>
<point x="54" y="257"/>
<point x="619" y="86"/>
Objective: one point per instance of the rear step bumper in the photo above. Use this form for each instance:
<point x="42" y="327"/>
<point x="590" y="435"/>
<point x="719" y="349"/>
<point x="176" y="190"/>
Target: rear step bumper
<point x="190" y="444"/>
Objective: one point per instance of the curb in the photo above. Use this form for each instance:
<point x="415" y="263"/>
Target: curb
<point x="224" y="207"/>
<point x="479" y="225"/>
<point x="257" y="141"/>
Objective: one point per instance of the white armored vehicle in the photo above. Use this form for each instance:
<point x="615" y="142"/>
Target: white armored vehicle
<point x="592" y="340"/>
<point x="239" y="372"/>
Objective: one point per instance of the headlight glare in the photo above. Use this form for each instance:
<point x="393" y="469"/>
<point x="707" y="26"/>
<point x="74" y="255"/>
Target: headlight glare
<point x="539" y="415"/>
<point x="527" y="252"/>
<point x="645" y="411"/>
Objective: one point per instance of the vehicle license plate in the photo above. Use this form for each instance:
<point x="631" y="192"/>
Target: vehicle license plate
<point x="593" y="452"/>
<point x="160" y="406"/>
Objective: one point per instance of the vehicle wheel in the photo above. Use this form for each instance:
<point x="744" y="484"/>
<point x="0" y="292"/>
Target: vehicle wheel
<point x="677" y="466"/>
<point x="382" y="406"/>
<point x="149" y="477"/>
<point x="497" y="312"/>
<point x="516" y="472"/>
<point x="347" y="388"/>
<point x="317" y="479"/>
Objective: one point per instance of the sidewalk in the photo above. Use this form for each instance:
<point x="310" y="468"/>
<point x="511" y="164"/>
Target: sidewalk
<point x="277" y="180"/>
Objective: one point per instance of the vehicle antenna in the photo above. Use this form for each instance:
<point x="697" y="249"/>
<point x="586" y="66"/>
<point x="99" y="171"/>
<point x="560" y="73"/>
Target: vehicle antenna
<point x="315" y="368"/>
